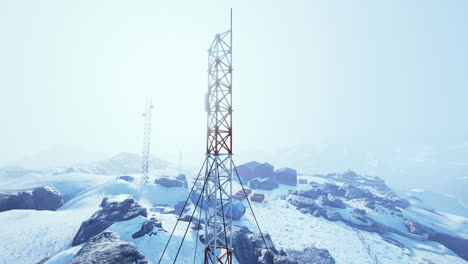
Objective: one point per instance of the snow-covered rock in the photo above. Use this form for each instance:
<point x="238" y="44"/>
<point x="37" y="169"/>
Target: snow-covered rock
<point x="330" y="214"/>
<point x="169" y="182"/>
<point x="148" y="227"/>
<point x="111" y="213"/>
<point x="109" y="248"/>
<point x="310" y="255"/>
<point x="41" y="198"/>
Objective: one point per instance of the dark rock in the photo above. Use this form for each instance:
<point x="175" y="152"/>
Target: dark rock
<point x="417" y="228"/>
<point x="393" y="242"/>
<point x="330" y="214"/>
<point x="349" y="175"/>
<point x="109" y="248"/>
<point x="111" y="213"/>
<point x="323" y="200"/>
<point x="104" y="201"/>
<point x="251" y="249"/>
<point x="333" y="189"/>
<point x="316" y="213"/>
<point x="41" y="198"/>
<point x="284" y="260"/>
<point x="458" y="245"/>
<point x="181" y="177"/>
<point x="244" y="252"/>
<point x="168" y="182"/>
<point x="126" y="178"/>
<point x="147" y="228"/>
<point x="185" y="218"/>
<point x="179" y="208"/>
<point x="307" y="193"/>
<point x="335" y="202"/>
<point x="310" y="255"/>
<point x="197" y="226"/>
<point x="359" y="214"/>
<point x="353" y="192"/>
<point x="369" y="203"/>
<point x="301" y="202"/>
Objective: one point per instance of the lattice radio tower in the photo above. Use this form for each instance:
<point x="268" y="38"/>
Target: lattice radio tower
<point x="218" y="164"/>
<point x="146" y="142"/>
<point x="218" y="167"/>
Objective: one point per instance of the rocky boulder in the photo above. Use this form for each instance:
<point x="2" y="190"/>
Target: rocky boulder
<point x="307" y="193"/>
<point x="109" y="248"/>
<point x="353" y="192"/>
<point x="251" y="249"/>
<point x="109" y="214"/>
<point x="169" y="182"/>
<point x="127" y="178"/>
<point x="417" y="228"/>
<point x="330" y="214"/>
<point x="335" y="202"/>
<point x="309" y="255"/>
<point x="41" y="198"/>
<point x="369" y="203"/>
<point x="458" y="245"/>
<point x="148" y="227"/>
<point x="301" y="202"/>
<point x="179" y="208"/>
<point x="360" y="215"/>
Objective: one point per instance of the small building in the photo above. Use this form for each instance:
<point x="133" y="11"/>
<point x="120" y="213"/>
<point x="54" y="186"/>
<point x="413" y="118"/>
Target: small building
<point x="254" y="169"/>
<point x="264" y="184"/>
<point x="286" y="176"/>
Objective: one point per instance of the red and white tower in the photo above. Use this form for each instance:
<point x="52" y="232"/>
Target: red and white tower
<point x="219" y="166"/>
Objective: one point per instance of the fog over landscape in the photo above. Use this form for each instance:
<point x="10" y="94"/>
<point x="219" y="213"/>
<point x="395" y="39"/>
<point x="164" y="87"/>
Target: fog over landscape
<point x="375" y="87"/>
<point x="349" y="131"/>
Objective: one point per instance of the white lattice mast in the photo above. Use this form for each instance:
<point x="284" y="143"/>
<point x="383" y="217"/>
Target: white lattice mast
<point x="146" y="142"/>
<point x="219" y="170"/>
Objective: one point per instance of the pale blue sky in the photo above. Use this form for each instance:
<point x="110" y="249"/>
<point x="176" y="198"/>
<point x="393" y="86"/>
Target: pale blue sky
<point x="386" y="79"/>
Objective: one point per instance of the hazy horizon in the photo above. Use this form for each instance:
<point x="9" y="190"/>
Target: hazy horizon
<point x="376" y="87"/>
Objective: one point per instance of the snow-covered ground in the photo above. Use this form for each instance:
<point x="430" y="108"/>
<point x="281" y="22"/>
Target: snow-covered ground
<point x="29" y="236"/>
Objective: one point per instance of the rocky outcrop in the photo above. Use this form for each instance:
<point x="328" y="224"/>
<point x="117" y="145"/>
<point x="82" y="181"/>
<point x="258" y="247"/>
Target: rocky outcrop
<point x="359" y="214"/>
<point x="330" y="214"/>
<point x="251" y="249"/>
<point x="126" y="178"/>
<point x="301" y="202"/>
<point x="393" y="242"/>
<point x="109" y="248"/>
<point x="166" y="209"/>
<point x="310" y="255"/>
<point x="169" y="182"/>
<point x="457" y="244"/>
<point x="41" y="198"/>
<point x="416" y="228"/>
<point x="148" y="227"/>
<point x="109" y="214"/>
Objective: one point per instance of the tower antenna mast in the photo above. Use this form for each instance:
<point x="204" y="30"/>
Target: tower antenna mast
<point x="146" y="142"/>
<point x="219" y="169"/>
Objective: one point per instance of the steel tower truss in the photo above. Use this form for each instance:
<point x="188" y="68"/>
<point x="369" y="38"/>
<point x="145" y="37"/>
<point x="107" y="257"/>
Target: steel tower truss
<point x="218" y="167"/>
<point x="146" y="142"/>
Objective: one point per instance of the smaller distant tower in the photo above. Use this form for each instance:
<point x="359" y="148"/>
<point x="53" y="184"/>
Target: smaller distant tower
<point x="146" y="142"/>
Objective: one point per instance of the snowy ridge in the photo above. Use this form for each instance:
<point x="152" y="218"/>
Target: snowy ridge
<point x="49" y="234"/>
